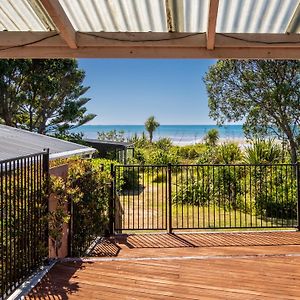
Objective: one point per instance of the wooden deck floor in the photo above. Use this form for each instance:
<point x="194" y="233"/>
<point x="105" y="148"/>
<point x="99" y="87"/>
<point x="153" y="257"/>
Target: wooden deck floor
<point x="186" y="266"/>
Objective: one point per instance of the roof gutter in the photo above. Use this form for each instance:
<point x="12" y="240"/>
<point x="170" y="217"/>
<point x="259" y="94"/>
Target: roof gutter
<point x="72" y="153"/>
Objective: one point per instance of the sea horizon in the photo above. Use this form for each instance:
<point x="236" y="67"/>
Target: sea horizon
<point x="179" y="134"/>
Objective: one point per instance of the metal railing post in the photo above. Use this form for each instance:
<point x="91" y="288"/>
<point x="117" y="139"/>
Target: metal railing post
<point x="46" y="178"/>
<point x="298" y="195"/>
<point x="170" y="197"/>
<point x="111" y="200"/>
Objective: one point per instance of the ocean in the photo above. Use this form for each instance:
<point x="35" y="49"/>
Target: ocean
<point x="179" y="134"/>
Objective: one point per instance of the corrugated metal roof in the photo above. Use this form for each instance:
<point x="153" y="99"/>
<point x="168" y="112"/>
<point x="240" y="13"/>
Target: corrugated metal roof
<point x="133" y="15"/>
<point x="23" y="15"/>
<point x="116" y="15"/>
<point x="16" y="142"/>
<point x="255" y="16"/>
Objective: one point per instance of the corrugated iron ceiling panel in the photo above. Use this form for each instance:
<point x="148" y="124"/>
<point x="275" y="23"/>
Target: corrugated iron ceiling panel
<point x="19" y="15"/>
<point x="116" y="15"/>
<point x="255" y="16"/>
<point x="133" y="15"/>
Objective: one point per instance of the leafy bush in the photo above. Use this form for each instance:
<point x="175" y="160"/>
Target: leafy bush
<point x="192" y="192"/>
<point x="229" y="153"/>
<point x="140" y="141"/>
<point x="220" y="185"/>
<point x="160" y="157"/>
<point x="164" y="144"/>
<point x="127" y="178"/>
<point x="88" y="189"/>
<point x="262" y="152"/>
<point x="209" y="156"/>
<point x="91" y="201"/>
<point x="139" y="157"/>
<point x="275" y="196"/>
<point x="191" y="151"/>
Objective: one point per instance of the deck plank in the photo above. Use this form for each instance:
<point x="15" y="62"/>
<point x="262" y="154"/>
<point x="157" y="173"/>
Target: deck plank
<point x="229" y="266"/>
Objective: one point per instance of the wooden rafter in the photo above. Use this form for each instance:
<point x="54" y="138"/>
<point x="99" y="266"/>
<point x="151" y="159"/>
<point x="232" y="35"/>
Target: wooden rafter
<point x="153" y="52"/>
<point x="61" y="21"/>
<point x="149" y="45"/>
<point x="212" y="23"/>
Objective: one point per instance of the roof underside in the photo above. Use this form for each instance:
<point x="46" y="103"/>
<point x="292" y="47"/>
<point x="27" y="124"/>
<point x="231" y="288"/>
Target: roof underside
<point x="17" y="142"/>
<point x="150" y="28"/>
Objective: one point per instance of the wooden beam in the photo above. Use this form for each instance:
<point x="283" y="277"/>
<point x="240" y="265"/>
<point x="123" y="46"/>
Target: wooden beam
<point x="150" y="39"/>
<point x="61" y="21"/>
<point x="212" y="23"/>
<point x="257" y="40"/>
<point x="152" y="52"/>
<point x="98" y="39"/>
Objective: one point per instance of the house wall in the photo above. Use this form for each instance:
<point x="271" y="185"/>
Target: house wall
<point x="59" y="171"/>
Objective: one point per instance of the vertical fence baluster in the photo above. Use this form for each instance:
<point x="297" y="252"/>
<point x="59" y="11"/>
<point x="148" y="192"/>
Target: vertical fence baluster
<point x="298" y="195"/>
<point x="170" y="197"/>
<point x="112" y="199"/>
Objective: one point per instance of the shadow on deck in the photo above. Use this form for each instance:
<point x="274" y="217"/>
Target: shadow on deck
<point x="113" y="246"/>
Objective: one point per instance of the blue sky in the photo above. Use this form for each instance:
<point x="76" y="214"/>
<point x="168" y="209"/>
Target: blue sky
<point x="129" y="91"/>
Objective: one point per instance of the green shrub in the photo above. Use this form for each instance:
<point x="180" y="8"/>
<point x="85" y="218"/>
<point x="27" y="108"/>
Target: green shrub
<point x="164" y="144"/>
<point x="229" y="153"/>
<point x="160" y="157"/>
<point x="88" y="189"/>
<point x="262" y="152"/>
<point x="275" y="195"/>
<point x="192" y="192"/>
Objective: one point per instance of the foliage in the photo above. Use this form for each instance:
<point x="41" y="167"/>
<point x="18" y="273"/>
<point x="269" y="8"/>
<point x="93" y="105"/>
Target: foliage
<point x="151" y="125"/>
<point x="262" y="152"/>
<point x="164" y="144"/>
<point x="192" y="192"/>
<point x="229" y="153"/>
<point x="88" y="189"/>
<point x="128" y="178"/>
<point x="209" y="156"/>
<point x="220" y="185"/>
<point x="43" y="95"/>
<point x="265" y="93"/>
<point x="161" y="157"/>
<point x="274" y="197"/>
<point x="112" y="135"/>
<point x="70" y="137"/>
<point x="58" y="217"/>
<point x="139" y="157"/>
<point x="191" y="152"/>
<point x="139" y="141"/>
<point x="212" y="137"/>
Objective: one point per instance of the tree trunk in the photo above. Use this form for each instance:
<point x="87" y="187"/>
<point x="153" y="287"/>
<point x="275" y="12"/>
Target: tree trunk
<point x="293" y="148"/>
<point x="293" y="151"/>
<point x="151" y="136"/>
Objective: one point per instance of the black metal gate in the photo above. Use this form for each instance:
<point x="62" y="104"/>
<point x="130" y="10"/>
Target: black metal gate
<point x="141" y="194"/>
<point x="184" y="197"/>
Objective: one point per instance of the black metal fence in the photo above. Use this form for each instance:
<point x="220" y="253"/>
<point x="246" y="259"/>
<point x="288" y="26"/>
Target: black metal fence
<point x="23" y="227"/>
<point x="178" y="197"/>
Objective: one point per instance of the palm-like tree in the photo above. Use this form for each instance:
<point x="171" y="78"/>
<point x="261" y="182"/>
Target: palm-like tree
<point x="151" y="124"/>
<point x="212" y="137"/>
